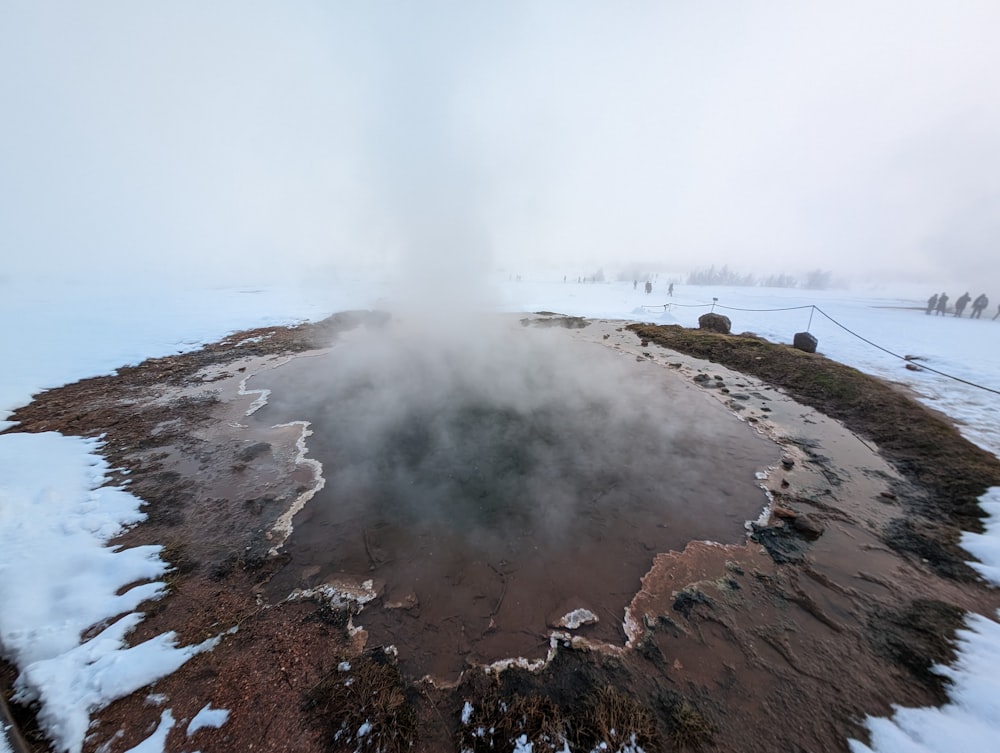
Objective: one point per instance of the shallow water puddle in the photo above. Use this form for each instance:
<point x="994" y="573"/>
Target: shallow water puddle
<point x="489" y="487"/>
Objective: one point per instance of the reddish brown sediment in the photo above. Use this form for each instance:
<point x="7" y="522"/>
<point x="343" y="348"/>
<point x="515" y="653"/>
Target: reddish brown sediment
<point x="784" y="642"/>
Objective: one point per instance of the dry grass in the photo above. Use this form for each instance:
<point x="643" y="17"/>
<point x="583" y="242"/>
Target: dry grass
<point x="606" y="720"/>
<point x="688" y="729"/>
<point x="365" y="708"/>
<point x="616" y="719"/>
<point x="497" y="721"/>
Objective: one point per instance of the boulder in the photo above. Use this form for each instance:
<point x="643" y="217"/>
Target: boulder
<point x="715" y="323"/>
<point x="805" y="341"/>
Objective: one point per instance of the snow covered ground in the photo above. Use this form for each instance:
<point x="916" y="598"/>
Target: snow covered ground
<point x="50" y="486"/>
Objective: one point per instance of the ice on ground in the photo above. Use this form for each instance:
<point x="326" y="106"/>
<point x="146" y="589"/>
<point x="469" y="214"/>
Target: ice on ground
<point x="207" y="717"/>
<point x="58" y="579"/>
<point x="156" y="743"/>
<point x="4" y="745"/>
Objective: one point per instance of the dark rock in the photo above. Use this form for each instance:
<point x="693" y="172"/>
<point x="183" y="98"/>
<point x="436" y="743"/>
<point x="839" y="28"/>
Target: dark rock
<point x="687" y="600"/>
<point x="701" y="378"/>
<point x="715" y="323"/>
<point x="253" y="451"/>
<point x="805" y="341"/>
<point x="780" y="542"/>
<point x="787" y="461"/>
<point x="807" y="527"/>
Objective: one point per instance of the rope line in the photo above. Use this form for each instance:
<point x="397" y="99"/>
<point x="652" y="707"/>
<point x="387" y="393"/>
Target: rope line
<point x="815" y="308"/>
<point x="904" y="358"/>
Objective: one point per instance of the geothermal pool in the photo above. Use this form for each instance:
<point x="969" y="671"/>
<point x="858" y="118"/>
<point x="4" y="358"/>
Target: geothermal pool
<point x="489" y="483"/>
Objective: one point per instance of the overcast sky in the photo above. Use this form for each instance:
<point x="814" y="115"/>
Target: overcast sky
<point x="858" y="137"/>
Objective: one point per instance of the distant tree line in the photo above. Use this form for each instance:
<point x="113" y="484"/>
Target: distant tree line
<point x="817" y="279"/>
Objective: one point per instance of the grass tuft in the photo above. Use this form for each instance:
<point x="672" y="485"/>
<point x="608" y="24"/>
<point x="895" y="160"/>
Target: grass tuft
<point x="364" y="708"/>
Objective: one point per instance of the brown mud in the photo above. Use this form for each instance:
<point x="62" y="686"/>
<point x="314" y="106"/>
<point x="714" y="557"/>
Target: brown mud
<point x="836" y="607"/>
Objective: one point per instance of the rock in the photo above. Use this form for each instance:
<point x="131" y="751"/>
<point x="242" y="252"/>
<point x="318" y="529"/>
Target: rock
<point x="887" y="495"/>
<point x="807" y="527"/>
<point x="409" y="600"/>
<point x="787" y="461"/>
<point x="805" y="341"/>
<point x="784" y="513"/>
<point x="701" y="378"/>
<point x="715" y="323"/>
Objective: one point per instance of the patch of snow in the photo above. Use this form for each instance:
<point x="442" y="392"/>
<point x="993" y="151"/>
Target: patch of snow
<point x="986" y="546"/>
<point x="363" y="730"/>
<point x="156" y="743"/>
<point x="207" y="717"/>
<point x="58" y="580"/>
<point x="969" y="722"/>
<point x="4" y="745"/>
<point x="344" y="666"/>
<point x="521" y="745"/>
<point x="467" y="712"/>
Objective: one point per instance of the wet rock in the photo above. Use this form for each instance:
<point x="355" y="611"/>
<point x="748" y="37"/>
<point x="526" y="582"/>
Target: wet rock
<point x="255" y="450"/>
<point x="787" y="461"/>
<point x="781" y="542"/>
<point x="807" y="526"/>
<point x="783" y="513"/>
<point x="715" y="323"/>
<point x="688" y="599"/>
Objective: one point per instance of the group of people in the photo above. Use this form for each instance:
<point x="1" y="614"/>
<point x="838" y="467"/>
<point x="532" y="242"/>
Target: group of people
<point x="649" y="287"/>
<point x="938" y="303"/>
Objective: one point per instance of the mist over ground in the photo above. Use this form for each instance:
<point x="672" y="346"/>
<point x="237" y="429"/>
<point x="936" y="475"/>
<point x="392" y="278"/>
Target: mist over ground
<point x="498" y="431"/>
<point x="246" y="142"/>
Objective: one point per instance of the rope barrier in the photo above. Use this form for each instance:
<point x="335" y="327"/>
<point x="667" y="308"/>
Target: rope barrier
<point x="815" y="309"/>
<point x="904" y="358"/>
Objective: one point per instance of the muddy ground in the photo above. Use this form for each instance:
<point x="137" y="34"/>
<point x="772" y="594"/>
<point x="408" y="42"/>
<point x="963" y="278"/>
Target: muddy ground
<point x="835" y="607"/>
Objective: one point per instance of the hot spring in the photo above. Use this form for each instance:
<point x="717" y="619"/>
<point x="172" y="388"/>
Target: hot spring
<point x="493" y="478"/>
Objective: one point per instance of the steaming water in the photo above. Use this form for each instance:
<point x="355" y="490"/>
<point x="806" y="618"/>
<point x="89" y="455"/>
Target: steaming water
<point x="493" y="484"/>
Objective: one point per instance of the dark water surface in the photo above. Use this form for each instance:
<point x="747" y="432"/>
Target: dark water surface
<point x="493" y="486"/>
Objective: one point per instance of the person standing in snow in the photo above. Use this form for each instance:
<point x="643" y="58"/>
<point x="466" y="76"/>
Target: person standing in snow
<point x="942" y="305"/>
<point x="996" y="314"/>
<point x="931" y="304"/>
<point x="979" y="306"/>
<point x="961" y="303"/>
<point x="670" y="290"/>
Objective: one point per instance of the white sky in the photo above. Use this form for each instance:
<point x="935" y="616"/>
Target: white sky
<point x="771" y="136"/>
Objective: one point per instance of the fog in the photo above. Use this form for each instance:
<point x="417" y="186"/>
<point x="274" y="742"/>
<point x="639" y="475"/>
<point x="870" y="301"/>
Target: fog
<point x="519" y="436"/>
<point x="240" y="142"/>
